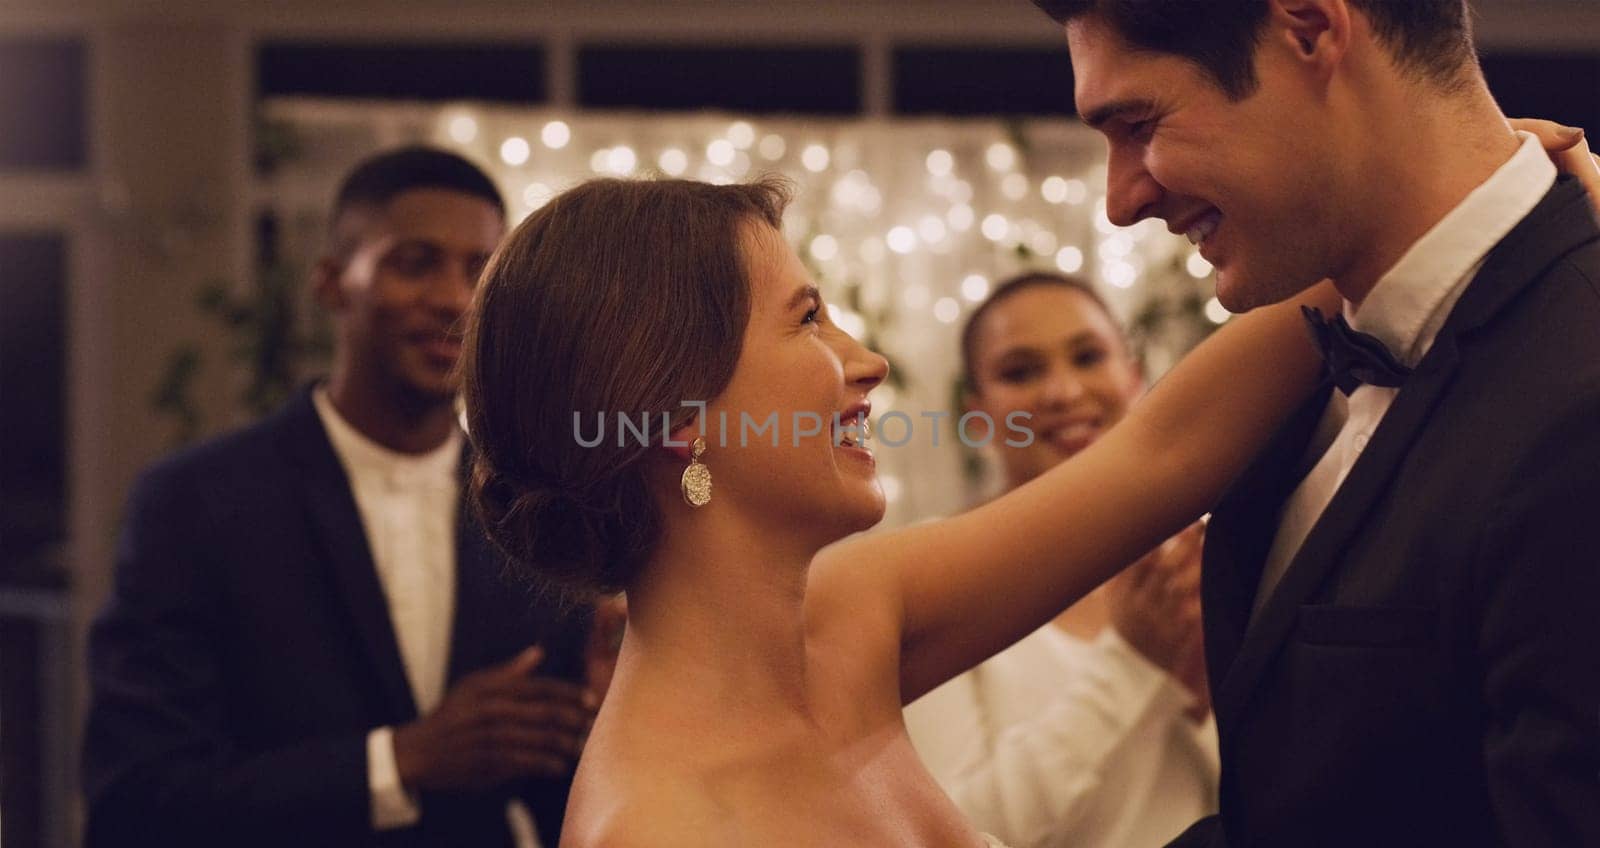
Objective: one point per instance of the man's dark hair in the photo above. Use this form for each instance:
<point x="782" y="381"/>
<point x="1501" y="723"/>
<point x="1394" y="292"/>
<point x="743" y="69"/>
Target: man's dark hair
<point x="381" y="178"/>
<point x="1432" y="37"/>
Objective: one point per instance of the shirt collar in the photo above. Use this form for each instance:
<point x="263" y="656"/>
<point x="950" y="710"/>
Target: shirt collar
<point x="361" y="454"/>
<point x="1408" y="299"/>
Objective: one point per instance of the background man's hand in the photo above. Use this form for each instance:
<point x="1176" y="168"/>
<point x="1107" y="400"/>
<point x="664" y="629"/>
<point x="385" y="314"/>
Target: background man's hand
<point x="495" y="725"/>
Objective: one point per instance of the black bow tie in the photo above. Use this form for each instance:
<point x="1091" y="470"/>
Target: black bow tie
<point x="1353" y="358"/>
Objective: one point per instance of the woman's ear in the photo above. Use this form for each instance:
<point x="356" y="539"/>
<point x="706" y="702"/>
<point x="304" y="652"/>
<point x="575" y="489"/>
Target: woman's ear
<point x="679" y="442"/>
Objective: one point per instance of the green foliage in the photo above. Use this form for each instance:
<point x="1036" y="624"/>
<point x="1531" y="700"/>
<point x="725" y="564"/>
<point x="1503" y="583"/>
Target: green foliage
<point x="266" y="340"/>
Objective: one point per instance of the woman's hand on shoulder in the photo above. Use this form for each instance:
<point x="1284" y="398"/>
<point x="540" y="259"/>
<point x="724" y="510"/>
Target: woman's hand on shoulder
<point x="1569" y="149"/>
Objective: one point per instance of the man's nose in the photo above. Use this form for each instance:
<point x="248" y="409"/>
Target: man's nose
<point x="1131" y="193"/>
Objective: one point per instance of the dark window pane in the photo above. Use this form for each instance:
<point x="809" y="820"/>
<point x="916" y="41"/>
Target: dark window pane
<point x="1557" y="86"/>
<point x="33" y="282"/>
<point x="970" y="81"/>
<point x="42" y="102"/>
<point x="497" y="72"/>
<point x="804" y="80"/>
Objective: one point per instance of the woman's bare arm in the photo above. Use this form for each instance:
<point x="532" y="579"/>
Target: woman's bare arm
<point x="970" y="585"/>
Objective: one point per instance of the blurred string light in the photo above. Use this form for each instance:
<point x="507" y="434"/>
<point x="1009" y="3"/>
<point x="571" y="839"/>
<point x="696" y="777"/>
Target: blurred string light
<point x="772" y="147"/>
<point x="1018" y="217"/>
<point x="824" y="248"/>
<point x="463" y="129"/>
<point x="555" y="135"/>
<point x="975" y="287"/>
<point x="1042" y="242"/>
<point x="815" y="157"/>
<point x="1119" y="274"/>
<point x="901" y="240"/>
<point x="1102" y="222"/>
<point x="995" y="226"/>
<point x="1001" y="156"/>
<point x="1053" y="190"/>
<point x="514" y="151"/>
<point x="741" y="134"/>
<point x="673" y="162"/>
<point x="622" y="160"/>
<point x="720" y="152"/>
<point x="1216" y="312"/>
<point x="1117" y="245"/>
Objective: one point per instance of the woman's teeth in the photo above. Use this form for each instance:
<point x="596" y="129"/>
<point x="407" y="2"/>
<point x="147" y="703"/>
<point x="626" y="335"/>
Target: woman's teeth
<point x="1073" y="433"/>
<point x="857" y="435"/>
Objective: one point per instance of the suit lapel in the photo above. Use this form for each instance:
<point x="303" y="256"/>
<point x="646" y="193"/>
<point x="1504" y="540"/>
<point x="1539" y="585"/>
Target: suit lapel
<point x="1561" y="222"/>
<point x="1241" y="530"/>
<point x="336" y="524"/>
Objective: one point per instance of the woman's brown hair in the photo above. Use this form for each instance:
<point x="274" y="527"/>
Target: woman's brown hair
<point x="618" y="297"/>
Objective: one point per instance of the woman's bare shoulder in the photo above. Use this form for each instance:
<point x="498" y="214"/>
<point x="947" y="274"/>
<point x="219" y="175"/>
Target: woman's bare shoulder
<point x="648" y="810"/>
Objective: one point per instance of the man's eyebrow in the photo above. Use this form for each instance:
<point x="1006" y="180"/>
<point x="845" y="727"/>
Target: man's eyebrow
<point x="801" y="295"/>
<point x="1100" y="114"/>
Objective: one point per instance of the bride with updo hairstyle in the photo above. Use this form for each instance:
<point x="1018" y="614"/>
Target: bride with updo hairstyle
<point x="758" y="693"/>
<point x="627" y="298"/>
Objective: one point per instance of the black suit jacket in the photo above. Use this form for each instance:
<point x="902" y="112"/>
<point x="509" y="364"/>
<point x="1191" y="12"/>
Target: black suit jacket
<point x="1427" y="672"/>
<point x="247" y="651"/>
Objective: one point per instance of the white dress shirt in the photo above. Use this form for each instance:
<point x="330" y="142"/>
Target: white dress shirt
<point x="1060" y="742"/>
<point x="407" y="504"/>
<point x="1406" y="310"/>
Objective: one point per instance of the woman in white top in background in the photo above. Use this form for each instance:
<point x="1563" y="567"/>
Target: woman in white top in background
<point x="1094" y="730"/>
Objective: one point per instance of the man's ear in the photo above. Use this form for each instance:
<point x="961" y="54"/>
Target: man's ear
<point x="325" y="283"/>
<point x="1317" y="32"/>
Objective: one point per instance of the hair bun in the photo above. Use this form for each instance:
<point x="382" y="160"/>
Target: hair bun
<point x="554" y="534"/>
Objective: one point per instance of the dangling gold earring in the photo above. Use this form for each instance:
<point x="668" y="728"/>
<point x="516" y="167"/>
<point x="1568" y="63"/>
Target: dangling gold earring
<point x="697" y="477"/>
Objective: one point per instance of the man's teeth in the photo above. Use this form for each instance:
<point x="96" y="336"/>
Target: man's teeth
<point x="1204" y="227"/>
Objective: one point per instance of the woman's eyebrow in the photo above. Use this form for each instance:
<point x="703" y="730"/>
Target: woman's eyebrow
<point x="801" y="295"/>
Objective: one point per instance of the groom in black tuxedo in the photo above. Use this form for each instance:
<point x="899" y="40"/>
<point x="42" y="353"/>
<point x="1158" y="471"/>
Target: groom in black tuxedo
<point x="1402" y="597"/>
<point x="309" y="642"/>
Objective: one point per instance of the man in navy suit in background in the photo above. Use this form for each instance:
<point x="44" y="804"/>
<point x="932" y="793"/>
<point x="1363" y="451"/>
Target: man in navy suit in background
<point x="309" y="641"/>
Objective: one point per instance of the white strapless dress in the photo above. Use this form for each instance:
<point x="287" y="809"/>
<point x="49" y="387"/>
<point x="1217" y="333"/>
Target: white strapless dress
<point x="991" y="842"/>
